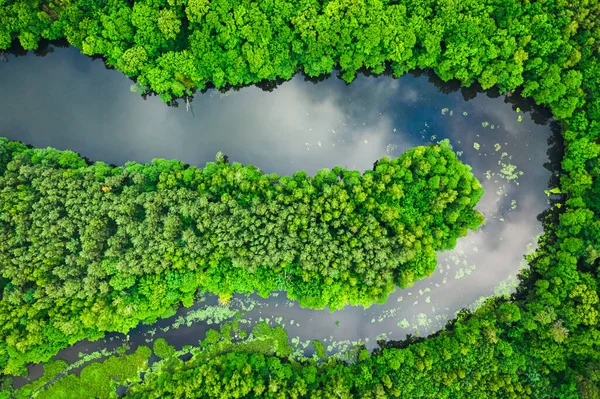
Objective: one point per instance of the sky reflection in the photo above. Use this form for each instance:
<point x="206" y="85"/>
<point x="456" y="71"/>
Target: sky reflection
<point x="67" y="101"/>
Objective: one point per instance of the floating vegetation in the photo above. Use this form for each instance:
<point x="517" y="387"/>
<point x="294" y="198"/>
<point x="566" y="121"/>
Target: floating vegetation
<point x="347" y="351"/>
<point x="476" y="146"/>
<point x="497" y="147"/>
<point x="387" y="313"/>
<point x="455" y="257"/>
<point x="475" y="305"/>
<point x="465" y="113"/>
<point x="503" y="289"/>
<point x="403" y="323"/>
<point x="55" y="370"/>
<point x="382" y="337"/>
<point x="509" y="171"/>
<point x="464" y="271"/>
<point x="422" y="320"/>
<point x="444" y="111"/>
<point x="554" y="190"/>
<point x="519" y="118"/>
<point x="210" y="314"/>
<point x="391" y="147"/>
<point x="506" y="287"/>
<point x="485" y="124"/>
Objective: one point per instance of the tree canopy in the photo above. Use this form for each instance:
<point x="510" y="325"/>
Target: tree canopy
<point x="92" y="248"/>
<point x="172" y="47"/>
<point x="543" y="343"/>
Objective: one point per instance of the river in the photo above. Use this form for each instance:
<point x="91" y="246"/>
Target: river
<point x="69" y="101"/>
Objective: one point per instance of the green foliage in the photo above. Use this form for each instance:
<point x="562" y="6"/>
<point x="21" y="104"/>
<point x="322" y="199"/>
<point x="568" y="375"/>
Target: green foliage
<point x="52" y="369"/>
<point x="162" y="349"/>
<point x="86" y="250"/>
<point x="172" y="46"/>
<point x="543" y="343"/>
<point x="319" y="349"/>
<point x="212" y="336"/>
<point x="97" y="380"/>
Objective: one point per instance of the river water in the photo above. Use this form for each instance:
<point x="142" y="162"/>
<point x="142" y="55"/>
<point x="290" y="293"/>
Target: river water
<point x="69" y="101"/>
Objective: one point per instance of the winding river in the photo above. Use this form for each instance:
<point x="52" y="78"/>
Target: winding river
<point x="69" y="101"/>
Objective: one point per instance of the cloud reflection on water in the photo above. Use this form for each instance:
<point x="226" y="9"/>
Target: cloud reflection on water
<point x="66" y="101"/>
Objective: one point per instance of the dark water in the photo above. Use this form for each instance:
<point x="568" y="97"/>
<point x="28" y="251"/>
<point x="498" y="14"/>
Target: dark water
<point x="68" y="101"/>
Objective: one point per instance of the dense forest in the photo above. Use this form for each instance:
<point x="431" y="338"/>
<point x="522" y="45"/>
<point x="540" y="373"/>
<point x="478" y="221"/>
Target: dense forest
<point x="92" y="248"/>
<point x="174" y="46"/>
<point x="545" y="342"/>
<point x="226" y="365"/>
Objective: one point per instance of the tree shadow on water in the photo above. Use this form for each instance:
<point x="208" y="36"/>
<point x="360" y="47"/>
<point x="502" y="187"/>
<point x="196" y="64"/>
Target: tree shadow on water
<point x="44" y="48"/>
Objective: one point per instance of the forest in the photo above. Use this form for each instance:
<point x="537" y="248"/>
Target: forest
<point x="92" y="248"/>
<point x="172" y="47"/>
<point x="542" y="343"/>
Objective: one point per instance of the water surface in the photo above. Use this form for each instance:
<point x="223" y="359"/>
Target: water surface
<point x="69" y="101"/>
